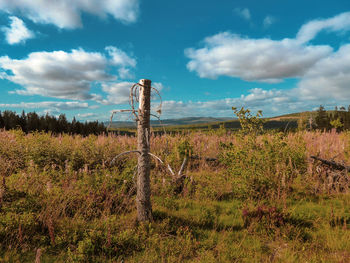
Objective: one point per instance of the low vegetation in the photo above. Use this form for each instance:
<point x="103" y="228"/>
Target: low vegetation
<point x="263" y="200"/>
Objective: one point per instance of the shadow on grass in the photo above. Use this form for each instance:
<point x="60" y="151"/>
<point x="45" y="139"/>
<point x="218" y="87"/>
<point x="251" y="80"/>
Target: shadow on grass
<point x="299" y="222"/>
<point x="176" y="221"/>
<point x="18" y="202"/>
<point x="343" y="221"/>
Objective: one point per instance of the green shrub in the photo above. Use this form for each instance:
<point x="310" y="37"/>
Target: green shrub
<point x="259" y="167"/>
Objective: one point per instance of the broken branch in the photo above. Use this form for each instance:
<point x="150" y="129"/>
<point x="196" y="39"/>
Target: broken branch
<point x="333" y="164"/>
<point x="182" y="167"/>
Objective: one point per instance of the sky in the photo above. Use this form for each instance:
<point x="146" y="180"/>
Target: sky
<point x="80" y="57"/>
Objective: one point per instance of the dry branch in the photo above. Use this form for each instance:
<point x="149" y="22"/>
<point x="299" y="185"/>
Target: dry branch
<point x="38" y="255"/>
<point x="156" y="157"/>
<point x="182" y="167"/>
<point x="160" y="160"/>
<point x="151" y="154"/>
<point x="112" y="115"/>
<point x="171" y="171"/>
<point x="332" y="164"/>
<point x="179" y="180"/>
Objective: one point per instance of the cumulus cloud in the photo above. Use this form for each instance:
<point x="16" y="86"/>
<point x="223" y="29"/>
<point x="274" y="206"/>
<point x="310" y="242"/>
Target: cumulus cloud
<point x="60" y="74"/>
<point x="17" y="32"/>
<point x="268" y="21"/>
<point x="52" y="105"/>
<point x="309" y="31"/>
<point x="243" y="12"/>
<point x="120" y="58"/>
<point x="329" y="78"/>
<point x="264" y="60"/>
<point x="67" y="14"/>
<point x="119" y="92"/>
<point x="271" y="102"/>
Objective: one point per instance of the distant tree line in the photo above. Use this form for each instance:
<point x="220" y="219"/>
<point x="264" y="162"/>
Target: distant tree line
<point x="339" y="118"/>
<point x="31" y="121"/>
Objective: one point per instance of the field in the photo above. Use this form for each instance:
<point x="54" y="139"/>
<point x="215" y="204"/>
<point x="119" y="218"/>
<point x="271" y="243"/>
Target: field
<point x="282" y="123"/>
<point x="262" y="200"/>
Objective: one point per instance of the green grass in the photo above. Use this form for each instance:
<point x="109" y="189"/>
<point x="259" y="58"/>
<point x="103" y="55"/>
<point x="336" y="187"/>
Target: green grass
<point x="186" y="230"/>
<point x="262" y="202"/>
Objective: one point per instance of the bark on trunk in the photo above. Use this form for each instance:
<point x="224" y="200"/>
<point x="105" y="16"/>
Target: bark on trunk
<point x="143" y="197"/>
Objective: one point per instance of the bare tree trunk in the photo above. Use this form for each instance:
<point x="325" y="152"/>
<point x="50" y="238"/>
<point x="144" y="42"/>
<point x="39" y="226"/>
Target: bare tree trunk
<point x="143" y="197"/>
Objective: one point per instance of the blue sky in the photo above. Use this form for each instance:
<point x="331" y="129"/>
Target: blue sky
<point x="81" y="57"/>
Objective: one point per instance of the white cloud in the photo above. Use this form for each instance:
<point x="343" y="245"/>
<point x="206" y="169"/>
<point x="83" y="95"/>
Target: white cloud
<point x="268" y="21"/>
<point x="119" y="92"/>
<point x="60" y="74"/>
<point x="329" y="78"/>
<point x="67" y="14"/>
<point x="88" y="116"/>
<point x="52" y="105"/>
<point x="271" y="102"/>
<point x="157" y="85"/>
<point x="309" y="31"/>
<point x="243" y="12"/>
<point x="120" y="58"/>
<point x="125" y="73"/>
<point x="16" y="32"/>
<point x="266" y="60"/>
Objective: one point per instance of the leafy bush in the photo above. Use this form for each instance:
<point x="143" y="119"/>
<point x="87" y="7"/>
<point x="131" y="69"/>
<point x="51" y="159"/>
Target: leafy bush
<point x="258" y="168"/>
<point x="250" y="124"/>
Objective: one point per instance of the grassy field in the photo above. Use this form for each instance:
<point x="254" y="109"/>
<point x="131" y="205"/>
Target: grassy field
<point x="264" y="200"/>
<point x="283" y="123"/>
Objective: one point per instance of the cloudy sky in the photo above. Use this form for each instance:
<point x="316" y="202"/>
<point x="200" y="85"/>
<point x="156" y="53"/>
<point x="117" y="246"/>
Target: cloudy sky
<point x="81" y="57"/>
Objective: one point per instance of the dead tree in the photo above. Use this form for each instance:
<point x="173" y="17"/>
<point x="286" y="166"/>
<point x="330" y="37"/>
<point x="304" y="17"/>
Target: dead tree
<point x="141" y="93"/>
<point x="331" y="163"/>
<point x="143" y="197"/>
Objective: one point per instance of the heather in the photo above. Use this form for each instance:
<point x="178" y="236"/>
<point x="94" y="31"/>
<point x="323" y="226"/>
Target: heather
<point x="262" y="200"/>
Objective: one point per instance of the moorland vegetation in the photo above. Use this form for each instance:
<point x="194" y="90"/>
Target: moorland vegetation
<point x="262" y="200"/>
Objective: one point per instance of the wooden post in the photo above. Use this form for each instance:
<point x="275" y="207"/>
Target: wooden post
<point x="143" y="197"/>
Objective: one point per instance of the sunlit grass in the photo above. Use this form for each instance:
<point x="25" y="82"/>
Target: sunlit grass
<point x="62" y="196"/>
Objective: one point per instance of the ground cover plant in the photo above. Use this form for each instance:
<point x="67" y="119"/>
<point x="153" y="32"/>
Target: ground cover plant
<point x="262" y="200"/>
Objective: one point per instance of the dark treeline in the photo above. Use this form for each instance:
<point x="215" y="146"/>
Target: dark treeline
<point x="31" y="121"/>
<point x="338" y="119"/>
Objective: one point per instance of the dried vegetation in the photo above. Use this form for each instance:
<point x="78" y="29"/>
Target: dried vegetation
<point x="263" y="200"/>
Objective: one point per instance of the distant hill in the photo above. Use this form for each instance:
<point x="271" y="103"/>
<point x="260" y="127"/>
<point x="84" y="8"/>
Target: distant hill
<point x="287" y="121"/>
<point x="292" y="116"/>
<point x="171" y="122"/>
